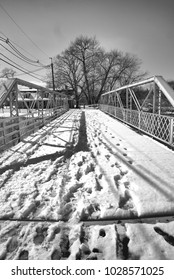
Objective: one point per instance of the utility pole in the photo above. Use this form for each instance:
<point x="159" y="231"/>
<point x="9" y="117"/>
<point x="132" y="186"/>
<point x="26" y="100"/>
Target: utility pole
<point x="52" y="69"/>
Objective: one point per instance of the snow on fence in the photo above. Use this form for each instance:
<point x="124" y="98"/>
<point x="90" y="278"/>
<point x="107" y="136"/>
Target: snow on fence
<point x="14" y="129"/>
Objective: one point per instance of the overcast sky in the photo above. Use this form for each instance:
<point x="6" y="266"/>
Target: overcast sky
<point x="143" y="28"/>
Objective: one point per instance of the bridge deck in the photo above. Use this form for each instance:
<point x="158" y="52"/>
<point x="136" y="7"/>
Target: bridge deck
<point x="69" y="182"/>
<point x="151" y="171"/>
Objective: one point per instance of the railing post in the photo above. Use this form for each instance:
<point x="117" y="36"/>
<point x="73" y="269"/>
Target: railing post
<point x="124" y="115"/>
<point x="154" y="98"/>
<point x="139" y="119"/>
<point x="159" y="103"/>
<point x="171" y="131"/>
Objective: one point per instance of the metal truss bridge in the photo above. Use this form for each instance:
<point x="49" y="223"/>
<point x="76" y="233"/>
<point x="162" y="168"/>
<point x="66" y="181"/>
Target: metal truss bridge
<point x="147" y="105"/>
<point x="26" y="107"/>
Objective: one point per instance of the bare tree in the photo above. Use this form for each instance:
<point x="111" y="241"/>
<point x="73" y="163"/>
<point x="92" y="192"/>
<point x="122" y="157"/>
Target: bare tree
<point x="84" y="49"/>
<point x="88" y="69"/>
<point x="7" y="73"/>
<point x="68" y="73"/>
<point x="108" y="62"/>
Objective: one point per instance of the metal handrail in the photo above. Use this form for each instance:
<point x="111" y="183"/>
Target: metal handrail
<point x="158" y="126"/>
<point x="155" y="124"/>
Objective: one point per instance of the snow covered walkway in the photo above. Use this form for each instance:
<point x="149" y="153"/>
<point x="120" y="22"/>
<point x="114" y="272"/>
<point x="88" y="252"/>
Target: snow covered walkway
<point x="58" y="184"/>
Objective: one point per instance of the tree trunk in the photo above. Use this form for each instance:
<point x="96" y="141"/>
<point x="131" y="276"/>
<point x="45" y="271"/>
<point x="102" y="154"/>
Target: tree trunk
<point x="77" y="103"/>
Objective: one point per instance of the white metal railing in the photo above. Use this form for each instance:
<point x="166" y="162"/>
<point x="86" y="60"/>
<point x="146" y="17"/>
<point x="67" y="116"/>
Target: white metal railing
<point x="127" y="104"/>
<point x="14" y="129"/>
<point x="158" y="126"/>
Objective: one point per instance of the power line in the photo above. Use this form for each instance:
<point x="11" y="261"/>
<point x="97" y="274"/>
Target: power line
<point x="7" y="41"/>
<point x="19" y="57"/>
<point x="22" y="30"/>
<point x="19" y="54"/>
<point x="13" y="61"/>
<point x="17" y="51"/>
<point x="18" y="45"/>
<point x="39" y="69"/>
<point x="20" y="69"/>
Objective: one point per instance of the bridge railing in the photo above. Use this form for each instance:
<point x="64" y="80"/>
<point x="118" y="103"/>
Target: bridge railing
<point x="14" y="129"/>
<point x="158" y="126"/>
<point x="147" y="105"/>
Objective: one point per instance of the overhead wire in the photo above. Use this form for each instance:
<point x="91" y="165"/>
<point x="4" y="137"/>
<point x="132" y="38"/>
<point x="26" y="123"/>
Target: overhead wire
<point x="22" y="30"/>
<point x="26" y="72"/>
<point x="26" y="51"/>
<point x="7" y="41"/>
<point x="15" y="51"/>
<point x="13" y="62"/>
<point x="19" y="57"/>
<point x="39" y="69"/>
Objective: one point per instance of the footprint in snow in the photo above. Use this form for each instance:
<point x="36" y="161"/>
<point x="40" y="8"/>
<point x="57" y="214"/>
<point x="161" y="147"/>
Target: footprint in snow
<point x="127" y="184"/>
<point x="56" y="255"/>
<point x="12" y="245"/>
<point x="39" y="238"/>
<point x="167" y="237"/>
<point x="102" y="233"/>
<point x="125" y="201"/>
<point x="107" y="157"/>
<point x="23" y="255"/>
<point x="117" y="179"/>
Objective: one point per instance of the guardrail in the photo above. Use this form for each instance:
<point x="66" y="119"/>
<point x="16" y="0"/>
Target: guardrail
<point x="14" y="129"/>
<point x="158" y="126"/>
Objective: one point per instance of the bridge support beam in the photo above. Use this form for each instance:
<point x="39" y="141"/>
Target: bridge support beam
<point x="159" y="102"/>
<point x="14" y="102"/>
<point x="171" y="131"/>
<point x="154" y="98"/>
<point x="14" y="111"/>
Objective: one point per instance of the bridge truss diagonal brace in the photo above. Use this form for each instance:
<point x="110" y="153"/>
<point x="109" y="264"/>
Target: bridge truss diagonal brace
<point x="165" y="88"/>
<point x="119" y="100"/>
<point x="29" y="109"/>
<point x="13" y="96"/>
<point x="147" y="96"/>
<point x="132" y="93"/>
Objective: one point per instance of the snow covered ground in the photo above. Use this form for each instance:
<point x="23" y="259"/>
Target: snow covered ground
<point x="87" y="187"/>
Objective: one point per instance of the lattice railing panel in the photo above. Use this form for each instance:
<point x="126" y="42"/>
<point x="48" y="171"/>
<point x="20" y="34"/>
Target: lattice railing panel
<point x="158" y="126"/>
<point x="132" y="117"/>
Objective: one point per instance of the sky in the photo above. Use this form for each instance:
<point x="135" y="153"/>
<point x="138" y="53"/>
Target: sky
<point x="44" y="28"/>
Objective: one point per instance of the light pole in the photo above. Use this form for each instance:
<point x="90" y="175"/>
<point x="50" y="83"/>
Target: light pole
<point x="52" y="73"/>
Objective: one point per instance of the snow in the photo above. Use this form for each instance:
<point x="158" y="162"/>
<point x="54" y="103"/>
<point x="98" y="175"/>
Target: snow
<point x="83" y="187"/>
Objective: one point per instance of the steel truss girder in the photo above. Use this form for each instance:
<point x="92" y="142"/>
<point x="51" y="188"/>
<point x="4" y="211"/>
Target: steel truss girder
<point x="147" y="96"/>
<point x="158" y="80"/>
<point x="119" y="100"/>
<point x="10" y="91"/>
<point x="132" y="93"/>
<point x="13" y="96"/>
